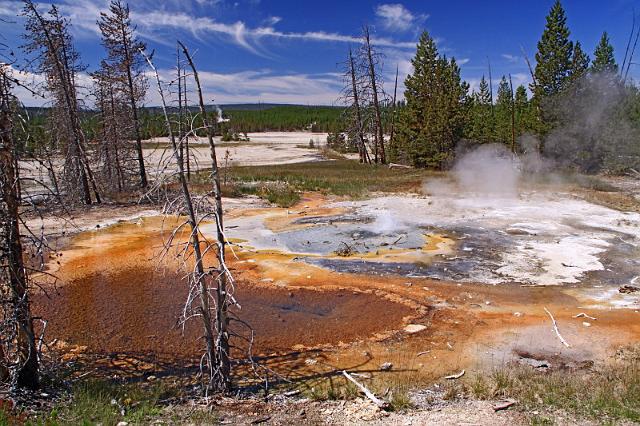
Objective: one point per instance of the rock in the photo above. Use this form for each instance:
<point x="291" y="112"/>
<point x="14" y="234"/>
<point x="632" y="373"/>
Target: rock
<point x="387" y="366"/>
<point x="627" y="289"/>
<point x="151" y="378"/>
<point x="122" y="424"/>
<point x="586" y="324"/>
<point x="310" y="361"/>
<point x="414" y="328"/>
<point x="518" y="314"/>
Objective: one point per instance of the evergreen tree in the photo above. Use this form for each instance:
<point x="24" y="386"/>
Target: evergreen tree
<point x="481" y="117"/>
<point x="432" y="122"/>
<point x="554" y="56"/>
<point x="502" y="132"/>
<point x="579" y="62"/>
<point x="603" y="60"/>
<point x="525" y="120"/>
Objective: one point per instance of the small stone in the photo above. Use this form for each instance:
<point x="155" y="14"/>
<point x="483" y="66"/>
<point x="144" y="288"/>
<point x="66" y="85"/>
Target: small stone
<point x="517" y="314"/>
<point x="151" y="378"/>
<point x="386" y="366"/>
<point x="414" y="328"/>
<point x="122" y="424"/>
<point x="586" y="324"/>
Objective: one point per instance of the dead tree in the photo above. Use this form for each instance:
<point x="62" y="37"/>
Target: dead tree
<point x="183" y="113"/>
<point x="116" y="158"/>
<point x="221" y="380"/>
<point x="216" y="361"/>
<point x="393" y="109"/>
<point x="513" y="116"/>
<point x="123" y="50"/>
<point x="17" y="345"/>
<point x="49" y="38"/>
<point x="352" y="97"/>
<point x="373" y="63"/>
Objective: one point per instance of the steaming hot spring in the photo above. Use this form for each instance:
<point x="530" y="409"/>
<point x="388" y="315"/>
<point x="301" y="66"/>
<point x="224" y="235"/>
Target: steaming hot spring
<point x="485" y="224"/>
<point x="306" y="271"/>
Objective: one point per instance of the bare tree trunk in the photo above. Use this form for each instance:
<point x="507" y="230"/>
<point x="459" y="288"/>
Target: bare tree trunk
<point x="199" y="276"/>
<point x="491" y="93"/>
<point x="134" y="107"/>
<point x="18" y="343"/>
<point x="362" y="147"/>
<point x="222" y="381"/>
<point x="379" y="131"/>
<point x="180" y="116"/>
<point x="513" y="117"/>
<point x="393" y="110"/>
<point x="186" y="137"/>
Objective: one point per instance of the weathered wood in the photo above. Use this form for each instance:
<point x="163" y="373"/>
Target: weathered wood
<point x="455" y="376"/>
<point x="199" y="276"/>
<point x="222" y="349"/>
<point x="503" y="405"/>
<point x="17" y="344"/>
<point x="555" y="328"/>
<point x="399" y="166"/>
<point x="379" y="151"/>
<point x="379" y="402"/>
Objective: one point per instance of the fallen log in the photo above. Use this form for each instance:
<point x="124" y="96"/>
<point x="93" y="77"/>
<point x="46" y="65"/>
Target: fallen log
<point x="455" y="376"/>
<point x="504" y="404"/>
<point x="399" y="166"/>
<point x="583" y="315"/>
<point x="555" y="328"/>
<point x="380" y="403"/>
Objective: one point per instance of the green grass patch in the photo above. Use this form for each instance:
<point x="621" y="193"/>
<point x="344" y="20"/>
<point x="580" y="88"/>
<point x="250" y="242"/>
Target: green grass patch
<point x="108" y="403"/>
<point x="339" y="177"/>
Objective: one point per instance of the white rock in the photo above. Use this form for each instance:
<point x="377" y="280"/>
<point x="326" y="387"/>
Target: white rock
<point x="414" y="328"/>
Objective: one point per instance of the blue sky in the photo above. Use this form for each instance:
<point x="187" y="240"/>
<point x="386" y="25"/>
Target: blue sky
<point x="289" y="51"/>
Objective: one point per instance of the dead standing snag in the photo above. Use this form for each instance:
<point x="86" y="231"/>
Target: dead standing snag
<point x="198" y="277"/>
<point x="17" y="346"/>
<point x="222" y="300"/>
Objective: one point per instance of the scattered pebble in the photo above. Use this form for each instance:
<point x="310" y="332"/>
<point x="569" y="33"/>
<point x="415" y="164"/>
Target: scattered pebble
<point x="386" y="366"/>
<point x="414" y="328"/>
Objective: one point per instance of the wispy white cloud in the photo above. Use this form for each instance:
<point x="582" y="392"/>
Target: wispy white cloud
<point x="272" y="20"/>
<point x="241" y="34"/>
<point x="263" y="86"/>
<point x="511" y="58"/>
<point x="396" y="17"/>
<point x="153" y="22"/>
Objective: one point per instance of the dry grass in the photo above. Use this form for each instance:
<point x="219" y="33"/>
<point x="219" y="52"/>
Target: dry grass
<point x="608" y="393"/>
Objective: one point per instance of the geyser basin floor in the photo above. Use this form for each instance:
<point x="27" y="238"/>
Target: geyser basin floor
<point x="113" y="280"/>
<point x="540" y="238"/>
